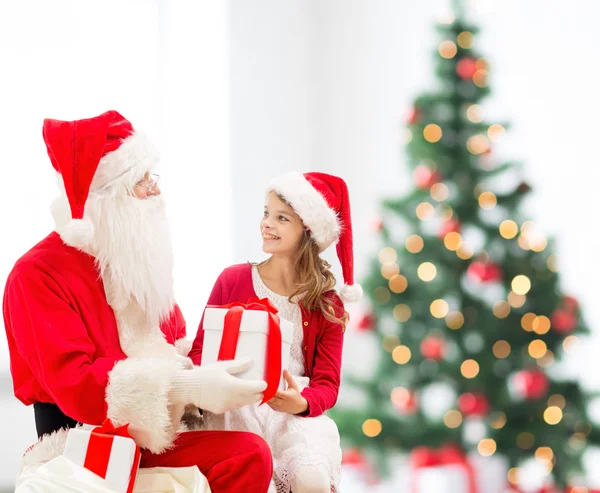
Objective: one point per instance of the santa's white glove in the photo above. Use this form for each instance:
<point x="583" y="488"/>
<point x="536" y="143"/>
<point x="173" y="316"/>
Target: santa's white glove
<point x="215" y="387"/>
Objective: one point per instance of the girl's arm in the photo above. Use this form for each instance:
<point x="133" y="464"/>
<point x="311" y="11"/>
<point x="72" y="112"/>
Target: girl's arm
<point x="322" y="392"/>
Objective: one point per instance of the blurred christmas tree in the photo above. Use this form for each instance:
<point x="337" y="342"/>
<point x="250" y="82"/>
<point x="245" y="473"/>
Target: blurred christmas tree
<point x="468" y="305"/>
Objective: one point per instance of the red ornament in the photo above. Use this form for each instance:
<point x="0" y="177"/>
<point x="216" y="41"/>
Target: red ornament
<point x="405" y="401"/>
<point x="530" y="384"/>
<point x="570" y="304"/>
<point x="451" y="226"/>
<point x="433" y="347"/>
<point x="414" y="116"/>
<point x="466" y="68"/>
<point x="484" y="272"/>
<point x="473" y="404"/>
<point x="366" y="322"/>
<point x="563" y="321"/>
<point x="425" y="177"/>
<point x="353" y="457"/>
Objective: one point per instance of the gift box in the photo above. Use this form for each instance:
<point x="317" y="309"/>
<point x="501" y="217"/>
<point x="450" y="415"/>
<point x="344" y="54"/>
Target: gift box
<point x="249" y="330"/>
<point x="444" y="470"/>
<point x="108" y="452"/>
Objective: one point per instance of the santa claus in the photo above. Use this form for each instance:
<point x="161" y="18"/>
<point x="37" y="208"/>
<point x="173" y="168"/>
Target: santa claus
<point x="92" y="325"/>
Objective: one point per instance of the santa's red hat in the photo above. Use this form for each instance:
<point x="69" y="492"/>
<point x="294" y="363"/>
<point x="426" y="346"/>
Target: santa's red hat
<point x="323" y="204"/>
<point x="90" y="155"/>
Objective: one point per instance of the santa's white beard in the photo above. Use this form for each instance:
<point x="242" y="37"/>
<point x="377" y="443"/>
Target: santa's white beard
<point x="133" y="252"/>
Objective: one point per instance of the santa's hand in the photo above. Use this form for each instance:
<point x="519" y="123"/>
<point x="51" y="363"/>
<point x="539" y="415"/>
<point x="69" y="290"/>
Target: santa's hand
<point x="215" y="387"/>
<point x="289" y="400"/>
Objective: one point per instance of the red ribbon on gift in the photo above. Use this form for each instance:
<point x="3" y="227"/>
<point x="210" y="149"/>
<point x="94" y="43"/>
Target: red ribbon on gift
<point x="422" y="457"/>
<point x="231" y="334"/>
<point x="100" y="446"/>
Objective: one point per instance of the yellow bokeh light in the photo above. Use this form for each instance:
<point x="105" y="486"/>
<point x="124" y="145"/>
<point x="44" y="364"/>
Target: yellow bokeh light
<point x="496" y="132"/>
<point x="544" y="454"/>
<point x="557" y="400"/>
<point x="465" y="40"/>
<point x="487" y="200"/>
<point x="432" y="133"/>
<point x="382" y="295"/>
<point x="453" y="241"/>
<point x="455" y="320"/>
<point x="425" y="211"/>
<point x="521" y="284"/>
<point x="465" y="252"/>
<point x="498" y="420"/>
<point x="439" y="308"/>
<point x="487" y="447"/>
<point x="516" y="300"/>
<point x="478" y="144"/>
<point x="453" y="418"/>
<point x="570" y="343"/>
<point x="398" y="284"/>
<point x="537" y="349"/>
<point x="445" y="212"/>
<point x="482" y="64"/>
<point x="427" y="271"/>
<point x="525" y="440"/>
<point x="402" y="313"/>
<point x="401" y="355"/>
<point x="527" y="321"/>
<point x="390" y="270"/>
<point x="390" y="343"/>
<point x="475" y="113"/>
<point x="480" y="78"/>
<point x="372" y="427"/>
<point x="447" y="49"/>
<point x="553" y="415"/>
<point x="523" y="243"/>
<point x="547" y="360"/>
<point x="541" y="324"/>
<point x="414" y="243"/>
<point x="513" y="475"/>
<point x="501" y="349"/>
<point x="439" y="192"/>
<point x="469" y="368"/>
<point x="501" y="309"/>
<point x="552" y="263"/>
<point x="508" y="229"/>
<point x="388" y="255"/>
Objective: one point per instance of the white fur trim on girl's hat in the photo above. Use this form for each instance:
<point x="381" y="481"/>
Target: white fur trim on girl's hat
<point x="78" y="148"/>
<point x="323" y="204"/>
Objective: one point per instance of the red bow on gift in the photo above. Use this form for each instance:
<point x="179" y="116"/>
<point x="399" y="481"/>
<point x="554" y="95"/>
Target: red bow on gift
<point x="422" y="457"/>
<point x="231" y="334"/>
<point x="100" y="446"/>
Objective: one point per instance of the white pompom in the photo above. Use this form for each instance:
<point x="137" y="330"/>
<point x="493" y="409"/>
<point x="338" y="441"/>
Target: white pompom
<point x="78" y="233"/>
<point x="351" y="293"/>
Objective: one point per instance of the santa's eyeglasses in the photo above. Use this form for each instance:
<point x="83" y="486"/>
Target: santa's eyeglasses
<point x="148" y="183"/>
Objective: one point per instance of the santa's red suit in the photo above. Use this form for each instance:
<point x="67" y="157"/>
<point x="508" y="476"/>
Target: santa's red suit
<point x="93" y="337"/>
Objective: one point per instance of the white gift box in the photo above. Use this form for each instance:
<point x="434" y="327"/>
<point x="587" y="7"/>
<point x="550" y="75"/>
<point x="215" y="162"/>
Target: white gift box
<point x="442" y="479"/>
<point x="121" y="462"/>
<point x="252" y="342"/>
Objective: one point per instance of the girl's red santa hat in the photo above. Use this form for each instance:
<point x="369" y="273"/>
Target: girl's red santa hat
<point x="323" y="204"/>
<point x="92" y="155"/>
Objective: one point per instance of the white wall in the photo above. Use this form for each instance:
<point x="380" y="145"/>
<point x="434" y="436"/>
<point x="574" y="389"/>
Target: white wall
<point x="163" y="65"/>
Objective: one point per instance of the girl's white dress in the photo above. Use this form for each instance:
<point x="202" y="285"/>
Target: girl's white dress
<point x="294" y="441"/>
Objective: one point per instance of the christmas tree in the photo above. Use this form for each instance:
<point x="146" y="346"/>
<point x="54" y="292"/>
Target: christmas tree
<point x="465" y="295"/>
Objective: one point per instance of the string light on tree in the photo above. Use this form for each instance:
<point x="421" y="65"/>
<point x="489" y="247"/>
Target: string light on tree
<point x="496" y="132"/>
<point x="478" y="144"/>
<point x="480" y="78"/>
<point x="390" y="343"/>
<point x="537" y="349"/>
<point x="527" y="321"/>
<point x="487" y="200"/>
<point x="453" y="418"/>
<point x="389" y="270"/>
<point x="469" y="368"/>
<point x="455" y="320"/>
<point x="501" y="349"/>
<point x="402" y="312"/>
<point x="553" y="415"/>
<point x="398" y="284"/>
<point x="521" y="284"/>
<point x="508" y="229"/>
<point x="487" y="447"/>
<point x="427" y="271"/>
<point x="425" y="211"/>
<point x="401" y="355"/>
<point x="501" y="309"/>
<point x="388" y="255"/>
<point x="475" y="113"/>
<point x="440" y="192"/>
<point x="453" y="241"/>
<point x="447" y="49"/>
<point x="516" y="300"/>
<point x="372" y="427"/>
<point x="541" y="325"/>
<point x="439" y="308"/>
<point x="432" y="133"/>
<point x="414" y="244"/>
<point x="498" y="420"/>
<point x="465" y="40"/>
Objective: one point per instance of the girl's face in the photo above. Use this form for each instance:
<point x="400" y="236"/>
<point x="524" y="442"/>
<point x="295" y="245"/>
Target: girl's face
<point x="281" y="228"/>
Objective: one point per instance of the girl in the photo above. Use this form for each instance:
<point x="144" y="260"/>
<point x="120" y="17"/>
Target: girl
<point x="303" y="215"/>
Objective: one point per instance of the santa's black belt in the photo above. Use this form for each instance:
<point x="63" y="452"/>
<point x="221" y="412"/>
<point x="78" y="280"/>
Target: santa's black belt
<point x="49" y="418"/>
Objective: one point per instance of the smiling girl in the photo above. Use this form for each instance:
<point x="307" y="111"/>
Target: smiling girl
<point x="303" y="215"/>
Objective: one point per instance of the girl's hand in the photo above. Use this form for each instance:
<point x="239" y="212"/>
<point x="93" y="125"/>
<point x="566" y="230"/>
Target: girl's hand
<point x="289" y="400"/>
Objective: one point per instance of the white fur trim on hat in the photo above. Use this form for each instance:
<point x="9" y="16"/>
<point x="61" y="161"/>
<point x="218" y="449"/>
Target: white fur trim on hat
<point x="135" y="156"/>
<point x="137" y="394"/>
<point x="77" y="233"/>
<point x="351" y="293"/>
<point x="310" y="205"/>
